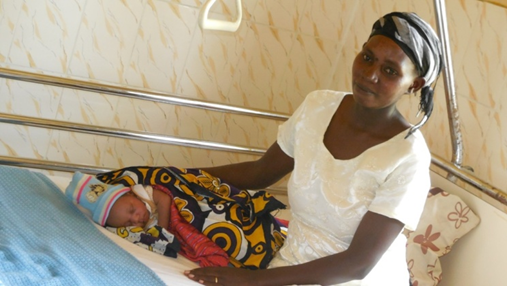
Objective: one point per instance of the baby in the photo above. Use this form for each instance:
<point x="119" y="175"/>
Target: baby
<point x="119" y="206"/>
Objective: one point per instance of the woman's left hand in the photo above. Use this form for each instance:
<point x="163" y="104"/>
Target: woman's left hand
<point x="213" y="276"/>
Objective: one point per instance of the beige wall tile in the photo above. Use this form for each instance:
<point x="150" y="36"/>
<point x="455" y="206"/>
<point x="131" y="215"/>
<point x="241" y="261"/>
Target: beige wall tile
<point x="29" y="99"/>
<point x="77" y="148"/>
<point x="45" y="34"/>
<point x="465" y="15"/>
<point x="119" y="153"/>
<point x="140" y="115"/>
<point x="328" y="19"/>
<point x="191" y="3"/>
<point x="212" y="61"/>
<point x="197" y="158"/>
<point x="24" y="141"/>
<point x="87" y="107"/>
<point x="9" y="15"/>
<point x="261" y="66"/>
<point x="284" y="14"/>
<point x="105" y="39"/>
<point x="247" y="131"/>
<point x="491" y="164"/>
<point x="481" y="72"/>
<point x="161" y="48"/>
<point x="310" y="64"/>
<point x="474" y="128"/>
<point x="192" y="123"/>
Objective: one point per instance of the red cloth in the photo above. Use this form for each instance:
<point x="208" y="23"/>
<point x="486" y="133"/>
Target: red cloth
<point x="194" y="245"/>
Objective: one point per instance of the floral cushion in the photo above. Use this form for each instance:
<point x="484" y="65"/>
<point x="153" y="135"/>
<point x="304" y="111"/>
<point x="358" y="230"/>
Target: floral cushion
<point x="445" y="219"/>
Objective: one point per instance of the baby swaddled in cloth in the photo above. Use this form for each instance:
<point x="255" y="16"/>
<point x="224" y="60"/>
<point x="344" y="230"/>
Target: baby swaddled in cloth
<point x="146" y="216"/>
<point x="117" y="205"/>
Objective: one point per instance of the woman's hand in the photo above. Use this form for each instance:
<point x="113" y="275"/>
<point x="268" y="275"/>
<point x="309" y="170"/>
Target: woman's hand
<point x="213" y="276"/>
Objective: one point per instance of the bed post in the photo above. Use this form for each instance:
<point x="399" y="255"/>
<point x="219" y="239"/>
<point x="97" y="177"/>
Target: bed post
<point x="450" y="92"/>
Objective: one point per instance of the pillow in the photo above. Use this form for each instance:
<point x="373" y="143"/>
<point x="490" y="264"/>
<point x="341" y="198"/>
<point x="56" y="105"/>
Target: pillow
<point x="445" y="219"/>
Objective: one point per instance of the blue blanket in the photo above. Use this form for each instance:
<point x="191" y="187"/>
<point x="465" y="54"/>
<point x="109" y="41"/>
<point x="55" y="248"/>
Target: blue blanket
<point x="46" y="240"/>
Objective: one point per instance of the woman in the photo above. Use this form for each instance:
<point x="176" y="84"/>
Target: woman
<point x="360" y="171"/>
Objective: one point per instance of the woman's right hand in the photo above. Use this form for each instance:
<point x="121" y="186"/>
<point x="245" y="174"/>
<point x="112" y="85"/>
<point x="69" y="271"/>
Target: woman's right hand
<point x="223" y="276"/>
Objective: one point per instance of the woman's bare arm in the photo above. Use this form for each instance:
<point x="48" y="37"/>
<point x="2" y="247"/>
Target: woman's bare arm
<point x="270" y="168"/>
<point x="373" y="237"/>
<point x="163" y="203"/>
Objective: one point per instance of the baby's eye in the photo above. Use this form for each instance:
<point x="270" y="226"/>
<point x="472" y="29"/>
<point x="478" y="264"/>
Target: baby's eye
<point x="366" y="57"/>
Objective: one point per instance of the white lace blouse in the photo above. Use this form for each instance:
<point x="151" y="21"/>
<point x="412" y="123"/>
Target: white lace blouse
<point x="329" y="197"/>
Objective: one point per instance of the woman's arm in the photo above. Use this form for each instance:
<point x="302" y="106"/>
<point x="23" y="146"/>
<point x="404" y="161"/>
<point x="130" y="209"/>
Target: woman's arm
<point x="163" y="203"/>
<point x="270" y="168"/>
<point x="373" y="237"/>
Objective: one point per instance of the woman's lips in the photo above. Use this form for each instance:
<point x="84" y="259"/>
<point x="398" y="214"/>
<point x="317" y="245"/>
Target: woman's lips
<point x="364" y="89"/>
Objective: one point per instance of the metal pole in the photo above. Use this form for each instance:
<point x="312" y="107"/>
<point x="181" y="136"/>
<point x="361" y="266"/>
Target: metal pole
<point x="138" y="94"/>
<point x="450" y="92"/>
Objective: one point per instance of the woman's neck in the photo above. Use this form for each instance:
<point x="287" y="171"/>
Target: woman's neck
<point x="387" y="119"/>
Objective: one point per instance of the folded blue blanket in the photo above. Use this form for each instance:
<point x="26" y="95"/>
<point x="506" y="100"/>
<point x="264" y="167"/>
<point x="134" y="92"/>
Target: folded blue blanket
<point x="46" y="240"/>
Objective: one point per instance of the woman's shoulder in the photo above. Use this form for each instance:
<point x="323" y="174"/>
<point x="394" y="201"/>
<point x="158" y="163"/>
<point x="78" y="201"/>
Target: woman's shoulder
<point x="323" y="99"/>
<point x="413" y="145"/>
<point x="326" y="94"/>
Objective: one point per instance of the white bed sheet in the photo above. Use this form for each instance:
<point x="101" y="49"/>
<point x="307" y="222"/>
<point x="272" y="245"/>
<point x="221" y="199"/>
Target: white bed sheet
<point x="170" y="270"/>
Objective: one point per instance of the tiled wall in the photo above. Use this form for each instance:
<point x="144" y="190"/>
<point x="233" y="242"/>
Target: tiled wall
<point x="282" y="50"/>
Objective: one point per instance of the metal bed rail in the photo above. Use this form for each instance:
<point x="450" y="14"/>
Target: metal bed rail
<point x="125" y="134"/>
<point x="448" y="167"/>
<point x="477" y="183"/>
<point x="88" y="169"/>
<point x="169" y="98"/>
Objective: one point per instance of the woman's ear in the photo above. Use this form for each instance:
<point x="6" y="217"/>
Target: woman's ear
<point x="418" y="83"/>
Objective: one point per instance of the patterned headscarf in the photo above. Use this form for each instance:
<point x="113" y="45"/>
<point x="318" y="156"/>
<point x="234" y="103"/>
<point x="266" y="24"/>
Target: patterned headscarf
<point x="421" y="44"/>
<point x="416" y="38"/>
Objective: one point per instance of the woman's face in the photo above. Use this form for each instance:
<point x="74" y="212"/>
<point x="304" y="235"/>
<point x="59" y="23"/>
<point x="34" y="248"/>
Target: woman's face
<point x="128" y="210"/>
<point x="382" y="73"/>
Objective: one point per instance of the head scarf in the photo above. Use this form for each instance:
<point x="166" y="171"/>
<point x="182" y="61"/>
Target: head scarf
<point x="421" y="44"/>
<point x="416" y="38"/>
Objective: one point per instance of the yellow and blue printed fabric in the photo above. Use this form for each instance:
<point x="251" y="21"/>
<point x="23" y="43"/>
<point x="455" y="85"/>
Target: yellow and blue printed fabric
<point x="236" y="220"/>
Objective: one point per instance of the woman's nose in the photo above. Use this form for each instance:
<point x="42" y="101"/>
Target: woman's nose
<point x="370" y="73"/>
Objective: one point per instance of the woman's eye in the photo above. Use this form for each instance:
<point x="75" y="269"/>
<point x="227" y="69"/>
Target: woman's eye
<point x="391" y="71"/>
<point x="366" y="57"/>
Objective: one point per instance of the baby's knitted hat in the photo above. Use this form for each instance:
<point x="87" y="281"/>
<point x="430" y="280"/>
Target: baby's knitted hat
<point x="94" y="195"/>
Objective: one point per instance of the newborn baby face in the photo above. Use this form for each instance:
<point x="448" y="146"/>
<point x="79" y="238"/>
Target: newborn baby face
<point x="128" y="210"/>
